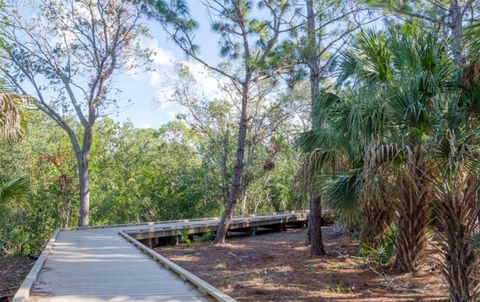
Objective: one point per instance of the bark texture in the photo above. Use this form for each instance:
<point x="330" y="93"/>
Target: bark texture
<point x="84" y="194"/>
<point x="458" y="211"/>
<point x="413" y="217"/>
<point x="83" y="158"/>
<point x="313" y="63"/>
<point x="456" y="13"/>
<point x="315" y="221"/>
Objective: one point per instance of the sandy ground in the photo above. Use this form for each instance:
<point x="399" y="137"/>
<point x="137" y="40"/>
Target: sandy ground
<point x="13" y="271"/>
<point x="277" y="267"/>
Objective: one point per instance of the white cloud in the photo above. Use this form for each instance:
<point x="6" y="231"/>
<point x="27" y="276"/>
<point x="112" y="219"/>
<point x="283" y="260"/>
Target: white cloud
<point x="208" y="84"/>
<point x="155" y="77"/>
<point x="163" y="75"/>
<point x="145" y="126"/>
<point x="163" y="95"/>
<point x="161" y="56"/>
<point x="172" y="114"/>
<point x="165" y="104"/>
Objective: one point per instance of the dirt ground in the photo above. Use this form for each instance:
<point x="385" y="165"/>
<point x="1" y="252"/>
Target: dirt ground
<point x="13" y="271"/>
<point x="277" y="267"/>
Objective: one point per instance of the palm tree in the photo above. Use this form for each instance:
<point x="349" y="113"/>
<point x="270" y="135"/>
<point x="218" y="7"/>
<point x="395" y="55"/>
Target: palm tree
<point x="472" y="38"/>
<point x="456" y="187"/>
<point x="334" y="151"/>
<point x="388" y="82"/>
<point x="414" y="123"/>
<point x="455" y="145"/>
<point x="323" y="152"/>
<point x="406" y="68"/>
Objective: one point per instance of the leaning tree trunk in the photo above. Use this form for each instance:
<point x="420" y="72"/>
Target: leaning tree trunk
<point x="413" y="217"/>
<point x="458" y="211"/>
<point x="315" y="227"/>
<point x="237" y="170"/>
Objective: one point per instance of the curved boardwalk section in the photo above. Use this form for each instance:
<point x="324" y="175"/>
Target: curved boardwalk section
<point x="97" y="264"/>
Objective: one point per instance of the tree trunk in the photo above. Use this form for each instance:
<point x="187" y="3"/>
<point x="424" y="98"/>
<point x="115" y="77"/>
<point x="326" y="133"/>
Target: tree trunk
<point x="456" y="27"/>
<point x="315" y="220"/>
<point x="313" y="62"/>
<point x="223" y="168"/>
<point x="413" y="218"/>
<point x="458" y="212"/>
<point x="223" y="172"/>
<point x="237" y="168"/>
<point x="84" y="193"/>
<point x="67" y="214"/>
<point x="246" y="178"/>
<point x="83" y="161"/>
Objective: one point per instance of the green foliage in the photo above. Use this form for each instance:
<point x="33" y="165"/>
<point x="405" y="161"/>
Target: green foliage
<point x="207" y="236"/>
<point x="384" y="253"/>
<point x="137" y="175"/>
<point x="12" y="199"/>
<point x="160" y="175"/>
<point x="386" y="100"/>
<point x="472" y="37"/>
<point x="185" y="237"/>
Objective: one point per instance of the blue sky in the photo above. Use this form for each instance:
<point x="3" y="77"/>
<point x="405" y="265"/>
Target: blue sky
<point x="139" y="100"/>
<point x="143" y="96"/>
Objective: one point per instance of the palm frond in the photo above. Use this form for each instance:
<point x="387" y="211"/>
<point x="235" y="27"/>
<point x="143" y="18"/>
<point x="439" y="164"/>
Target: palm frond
<point x="456" y="151"/>
<point x="13" y="190"/>
<point x="11" y="123"/>
<point x="316" y="163"/>
<point x="378" y="154"/>
<point x="472" y="37"/>
<point x="341" y="193"/>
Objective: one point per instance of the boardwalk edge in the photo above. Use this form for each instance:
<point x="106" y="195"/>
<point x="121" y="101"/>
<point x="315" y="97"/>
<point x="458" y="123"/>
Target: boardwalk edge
<point x="23" y="293"/>
<point x="202" y="285"/>
<point x="106" y="226"/>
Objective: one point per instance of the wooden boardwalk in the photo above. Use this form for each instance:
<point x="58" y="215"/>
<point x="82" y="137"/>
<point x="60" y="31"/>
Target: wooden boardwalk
<point x="97" y="264"/>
